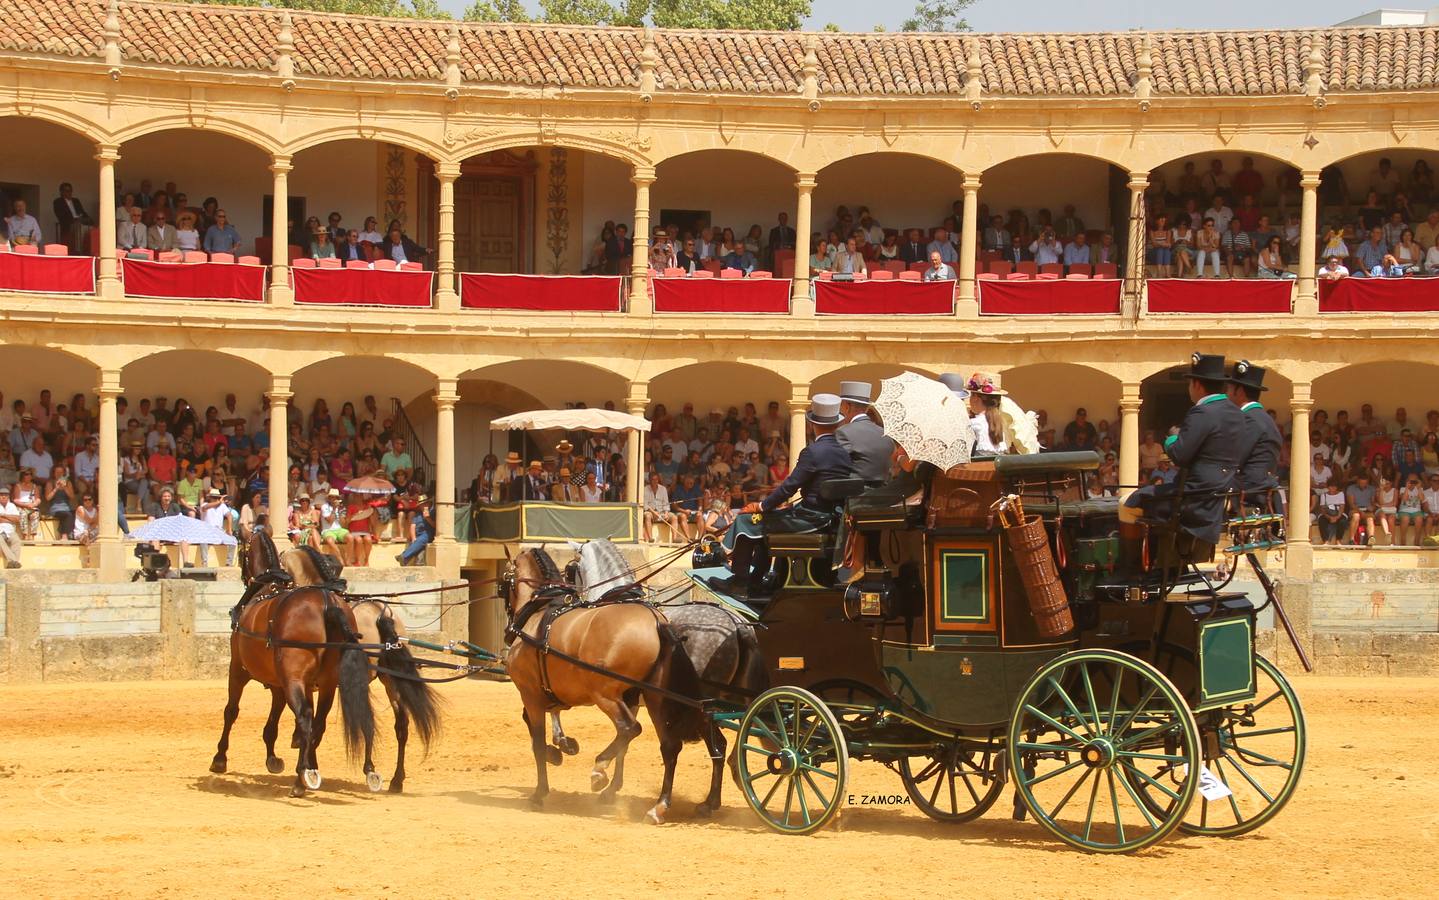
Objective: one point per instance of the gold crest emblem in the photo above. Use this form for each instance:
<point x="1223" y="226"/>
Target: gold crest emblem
<point x="966" y="667"/>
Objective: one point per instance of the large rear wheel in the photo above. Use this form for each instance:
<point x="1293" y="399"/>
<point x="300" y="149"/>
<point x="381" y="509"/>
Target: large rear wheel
<point x="1089" y="726"/>
<point x="792" y="760"/>
<point x="953" y="783"/>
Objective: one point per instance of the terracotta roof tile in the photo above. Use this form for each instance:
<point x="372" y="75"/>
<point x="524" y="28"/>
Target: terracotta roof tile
<point x="1222" y="63"/>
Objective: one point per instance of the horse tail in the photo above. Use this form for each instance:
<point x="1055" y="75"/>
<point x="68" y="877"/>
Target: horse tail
<point x="752" y="673"/>
<point x="355" y="708"/>
<point x="684" y="720"/>
<point x="415" y="697"/>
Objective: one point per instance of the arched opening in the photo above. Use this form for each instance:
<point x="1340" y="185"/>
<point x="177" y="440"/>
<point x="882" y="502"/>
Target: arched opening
<point x="1057" y="392"/>
<point x="42" y="157"/>
<point x="173" y="174"/>
<point x="1243" y="193"/>
<point x="1164" y="398"/>
<point x="1370" y="199"/>
<point x="43" y="383"/>
<point x="716" y="190"/>
<point x="1399" y="395"/>
<point x="1037" y="206"/>
<point x="898" y="192"/>
<point x="342" y="186"/>
<point x="727" y="399"/>
<point x="873" y="373"/>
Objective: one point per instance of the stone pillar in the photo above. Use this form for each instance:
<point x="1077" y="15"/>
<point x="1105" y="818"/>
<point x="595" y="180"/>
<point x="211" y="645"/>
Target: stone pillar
<point x="640" y="304"/>
<point x="1298" y="557"/>
<point x="109" y="287"/>
<point x="446" y="297"/>
<point x="1134" y="253"/>
<point x="279" y="501"/>
<point x="1306" y="300"/>
<point x="109" y="550"/>
<point x="445" y="551"/>
<point x="968" y="305"/>
<point x="1129" y="404"/>
<point x="798" y="406"/>
<point x="635" y="405"/>
<point x="802" y="304"/>
<point x="281" y="293"/>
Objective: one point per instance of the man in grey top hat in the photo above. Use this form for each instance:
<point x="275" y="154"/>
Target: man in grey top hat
<point x="823" y="460"/>
<point x="869" y="447"/>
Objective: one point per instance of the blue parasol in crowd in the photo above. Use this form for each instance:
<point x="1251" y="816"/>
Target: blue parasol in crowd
<point x="181" y="529"/>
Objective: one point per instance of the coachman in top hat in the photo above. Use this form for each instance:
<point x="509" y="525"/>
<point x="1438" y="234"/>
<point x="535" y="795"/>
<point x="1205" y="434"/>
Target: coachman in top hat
<point x="1260" y="446"/>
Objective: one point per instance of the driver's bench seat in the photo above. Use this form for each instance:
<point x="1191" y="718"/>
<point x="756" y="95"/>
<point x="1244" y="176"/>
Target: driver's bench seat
<point x="821" y="542"/>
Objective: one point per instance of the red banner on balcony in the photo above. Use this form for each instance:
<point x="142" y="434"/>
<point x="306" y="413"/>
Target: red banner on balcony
<point x="1379" y="295"/>
<point x="194" y="281"/>
<point x="362" y="287"/>
<point x="47" y="274"/>
<point x="1230" y="295"/>
<point x="884" y="298"/>
<point x="556" y="293"/>
<point x="1049" y="297"/>
<point x="722" y="295"/>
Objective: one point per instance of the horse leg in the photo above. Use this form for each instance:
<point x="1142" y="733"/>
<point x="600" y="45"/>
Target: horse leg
<point x="568" y="745"/>
<point x="238" y="679"/>
<point x="299" y="699"/>
<point x="670" y="745"/>
<point x="273" y="764"/>
<point x="317" y="729"/>
<point x="535" y="719"/>
<point x="715" y="744"/>
<point x="627" y="728"/>
<point x="402" y="735"/>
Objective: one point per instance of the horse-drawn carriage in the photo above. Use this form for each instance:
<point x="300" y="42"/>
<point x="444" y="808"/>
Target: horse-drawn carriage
<point x="1109" y="688"/>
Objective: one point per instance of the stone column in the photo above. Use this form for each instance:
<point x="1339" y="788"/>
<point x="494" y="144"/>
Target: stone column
<point x="445" y="551"/>
<point x="1299" y="555"/>
<point x="109" y="550"/>
<point x="1129" y="404"/>
<point x="109" y="287"/>
<point x="802" y="304"/>
<point x="281" y="293"/>
<point x="968" y="305"/>
<point x="446" y="296"/>
<point x="798" y="406"/>
<point x="635" y="405"/>
<point x="1134" y="253"/>
<point x="640" y="304"/>
<point x="1306" y="300"/>
<point x="279" y="501"/>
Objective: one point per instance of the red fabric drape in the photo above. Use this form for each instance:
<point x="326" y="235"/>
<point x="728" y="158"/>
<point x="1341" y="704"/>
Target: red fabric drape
<point x="1237" y="295"/>
<point x="362" y="287"/>
<point x="1379" y="295"/>
<point x="884" y="298"/>
<point x="194" y="281"/>
<point x="1058" y="297"/>
<point x="564" y="293"/>
<point x="722" y="295"/>
<point x="47" y="274"/>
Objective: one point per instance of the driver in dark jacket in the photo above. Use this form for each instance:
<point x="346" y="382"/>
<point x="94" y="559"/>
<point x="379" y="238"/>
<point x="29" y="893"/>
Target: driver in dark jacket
<point x="1261" y="444"/>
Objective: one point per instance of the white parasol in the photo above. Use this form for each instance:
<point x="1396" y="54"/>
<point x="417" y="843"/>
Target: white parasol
<point x="571" y="420"/>
<point x="1021" y="427"/>
<point x="925" y="419"/>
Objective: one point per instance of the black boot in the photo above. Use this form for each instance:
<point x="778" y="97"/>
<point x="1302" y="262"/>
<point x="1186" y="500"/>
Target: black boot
<point x="733" y="586"/>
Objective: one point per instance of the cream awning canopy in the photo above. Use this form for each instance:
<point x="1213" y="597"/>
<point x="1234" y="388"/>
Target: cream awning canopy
<point x="571" y="420"/>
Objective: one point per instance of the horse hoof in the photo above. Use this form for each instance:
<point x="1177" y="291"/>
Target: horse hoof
<point x="569" y="746"/>
<point x="598" y="780"/>
<point x="312" y="779"/>
<point x="537" y="802"/>
<point x="297" y="791"/>
<point x="274" y="765"/>
<point x="552" y="756"/>
<point x="374" y="782"/>
<point x="397" y="785"/>
<point x="655" y="816"/>
<point x="703" y="811"/>
<point x="217" y="765"/>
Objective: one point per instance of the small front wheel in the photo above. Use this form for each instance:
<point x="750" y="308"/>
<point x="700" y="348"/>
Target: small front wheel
<point x="953" y="783"/>
<point x="792" y="760"/>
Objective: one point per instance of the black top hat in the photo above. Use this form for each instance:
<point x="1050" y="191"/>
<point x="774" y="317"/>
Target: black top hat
<point x="1207" y="367"/>
<point x="1246" y="374"/>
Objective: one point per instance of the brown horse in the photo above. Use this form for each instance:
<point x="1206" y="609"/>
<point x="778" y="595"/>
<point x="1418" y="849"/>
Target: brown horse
<point x="378" y="624"/>
<point x="306" y="645"/>
<point x="631" y="640"/>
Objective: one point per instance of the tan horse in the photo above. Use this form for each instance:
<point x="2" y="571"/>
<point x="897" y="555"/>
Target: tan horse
<point x="377" y="623"/>
<point x="631" y="640"/>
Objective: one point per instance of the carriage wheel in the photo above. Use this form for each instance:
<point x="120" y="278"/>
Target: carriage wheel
<point x="793" y="761"/>
<point x="1087" y="728"/>
<point x="954" y="784"/>
<point x="1256" y="749"/>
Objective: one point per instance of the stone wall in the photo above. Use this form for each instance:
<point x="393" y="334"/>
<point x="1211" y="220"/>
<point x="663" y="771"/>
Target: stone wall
<point x="65" y="626"/>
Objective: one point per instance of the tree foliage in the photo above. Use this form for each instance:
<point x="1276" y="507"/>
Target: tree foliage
<point x="768" y="15"/>
<point x="938" y="15"/>
<point x="414" y="9"/>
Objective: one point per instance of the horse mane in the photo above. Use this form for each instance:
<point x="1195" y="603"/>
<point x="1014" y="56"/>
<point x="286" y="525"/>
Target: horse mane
<point x="545" y="563"/>
<point x="260" y="540"/>
<point x="602" y="569"/>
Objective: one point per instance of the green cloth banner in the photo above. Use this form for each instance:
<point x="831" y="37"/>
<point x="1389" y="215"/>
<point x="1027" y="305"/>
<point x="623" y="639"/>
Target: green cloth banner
<point x="544" y="521"/>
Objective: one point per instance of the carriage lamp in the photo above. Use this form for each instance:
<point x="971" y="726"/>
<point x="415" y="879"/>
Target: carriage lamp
<point x="870" y="597"/>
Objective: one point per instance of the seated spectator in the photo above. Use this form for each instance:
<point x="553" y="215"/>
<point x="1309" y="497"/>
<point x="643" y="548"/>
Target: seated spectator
<point x="850" y="260"/>
<point x="657" y="506"/>
<point x="996" y="236"/>
<point x="1017" y="252"/>
<point x="1334" y="244"/>
<point x="74" y="222"/>
<point x="1371" y="215"/>
<point x="37" y="458"/>
<point x="349" y="249"/>
<point x="1333" y="270"/>
<point x="1182" y="246"/>
<point x="187" y="237"/>
<point x="1260" y="234"/>
<point x="132" y="234"/>
<point x="1329" y="513"/>
<point x="161" y="236"/>
<point x="1046" y="249"/>
<point x="370" y="233"/>
<point x="938" y="270"/>
<point x="1076" y="252"/>
<point x="1271" y="260"/>
<point x="61" y="499"/>
<point x="398" y="246"/>
<point x="334" y="227"/>
<point x="122" y="209"/>
<point x="686" y="501"/>
<point x="1106" y="252"/>
<point x="10" y="543"/>
<point x="1208" y="242"/>
<point x="911" y="250"/>
<point x="1408" y="254"/>
<point x="943" y="247"/>
<point x="1220" y="213"/>
<point x="1247" y="212"/>
<point x="1361" y="503"/>
<point x="1427" y="231"/>
<point x="1431" y="258"/>
<point x="1238" y="250"/>
<point x="28" y="495"/>
<point x="208" y="209"/>
<point x="820" y="260"/>
<point x="87" y="521"/>
<point x="22" y="227"/>
<point x="619" y="246"/>
<point x="320" y="245"/>
<point x="222" y="237"/>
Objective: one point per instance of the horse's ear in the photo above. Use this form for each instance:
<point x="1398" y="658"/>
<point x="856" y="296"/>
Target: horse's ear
<point x="506" y="548"/>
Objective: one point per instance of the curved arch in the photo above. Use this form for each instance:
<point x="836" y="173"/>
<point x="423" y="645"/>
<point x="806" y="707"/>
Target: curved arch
<point x="1387" y="385"/>
<point x="873" y="373"/>
<point x="27" y="348"/>
<point x="352" y="376"/>
<point x="168" y="351"/>
<point x="55" y="115"/>
<point x="408" y="140"/>
<point x="718" y="384"/>
<point x="458" y="150"/>
<point x="1235" y="148"/>
<point x="555" y="382"/>
<point x="202" y="377"/>
<point x="1037" y="154"/>
<point x="249" y="134"/>
<point x="947" y="163"/>
<point x="728" y="151"/>
<point x="1058" y="389"/>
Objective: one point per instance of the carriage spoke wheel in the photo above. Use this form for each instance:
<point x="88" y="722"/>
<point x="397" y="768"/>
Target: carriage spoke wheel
<point x="952" y="783"/>
<point x="1256" y="749"/>
<point x="1088" y="727"/>
<point x="793" y="761"/>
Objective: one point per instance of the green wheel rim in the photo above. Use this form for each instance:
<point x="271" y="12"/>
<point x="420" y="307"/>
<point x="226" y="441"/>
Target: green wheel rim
<point x="954" y="784"/>
<point x="1087" y="728"/>
<point x="792" y="760"/>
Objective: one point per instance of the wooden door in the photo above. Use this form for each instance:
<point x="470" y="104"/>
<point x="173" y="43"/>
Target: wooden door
<point x="488" y="223"/>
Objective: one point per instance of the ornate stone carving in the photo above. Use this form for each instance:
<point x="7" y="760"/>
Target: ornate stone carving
<point x="396" y="205"/>
<point x="638" y="142"/>
<point x="557" y="202"/>
<point x="456" y="135"/>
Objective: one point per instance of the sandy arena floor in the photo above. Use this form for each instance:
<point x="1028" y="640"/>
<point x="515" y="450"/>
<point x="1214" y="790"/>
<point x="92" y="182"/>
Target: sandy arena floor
<point x="104" y="790"/>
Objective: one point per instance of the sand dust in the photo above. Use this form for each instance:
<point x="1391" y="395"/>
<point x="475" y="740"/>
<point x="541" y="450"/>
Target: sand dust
<point x="104" y="790"/>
